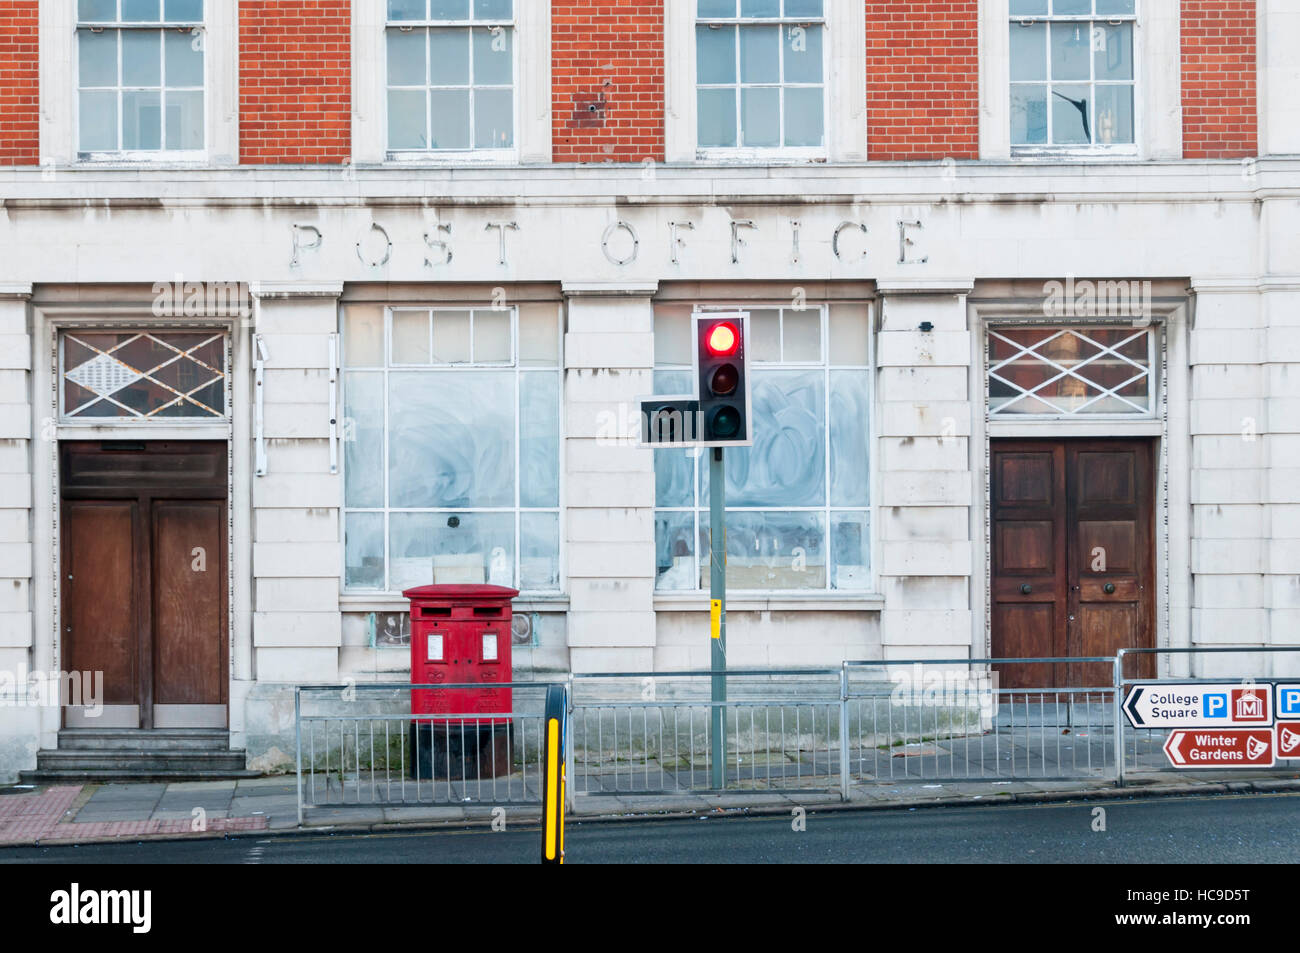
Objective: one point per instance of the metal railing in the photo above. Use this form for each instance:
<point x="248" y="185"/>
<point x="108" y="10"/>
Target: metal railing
<point x="786" y="730"/>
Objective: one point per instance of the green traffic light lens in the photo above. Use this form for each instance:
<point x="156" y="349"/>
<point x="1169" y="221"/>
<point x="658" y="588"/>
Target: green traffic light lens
<point x="726" y="422"/>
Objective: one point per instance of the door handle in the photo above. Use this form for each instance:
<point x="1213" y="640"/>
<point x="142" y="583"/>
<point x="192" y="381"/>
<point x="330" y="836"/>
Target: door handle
<point x="1026" y="589"/>
<point x="1109" y="588"/>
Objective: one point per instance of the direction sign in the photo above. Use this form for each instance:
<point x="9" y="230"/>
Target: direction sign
<point x="1198" y="705"/>
<point x="1288" y="740"/>
<point x="1221" y="748"/>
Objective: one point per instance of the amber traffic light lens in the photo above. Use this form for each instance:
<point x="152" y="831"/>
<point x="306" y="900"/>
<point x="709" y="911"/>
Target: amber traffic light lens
<point x="723" y="340"/>
<point x="725" y="380"/>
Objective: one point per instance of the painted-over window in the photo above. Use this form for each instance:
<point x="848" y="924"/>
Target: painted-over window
<point x="452" y="446"/>
<point x="1072" y="74"/>
<point x="451" y="76"/>
<point x="760" y="74"/>
<point x="140" y="77"/>
<point x="1066" y="372"/>
<point x="143" y="375"/>
<point x="798" y="500"/>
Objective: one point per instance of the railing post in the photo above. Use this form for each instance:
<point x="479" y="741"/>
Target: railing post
<point x="1119" y="718"/>
<point x="297" y="730"/>
<point x="569" y="755"/>
<point x="844" y="731"/>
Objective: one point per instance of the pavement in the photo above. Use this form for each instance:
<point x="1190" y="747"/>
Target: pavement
<point x="99" y="813"/>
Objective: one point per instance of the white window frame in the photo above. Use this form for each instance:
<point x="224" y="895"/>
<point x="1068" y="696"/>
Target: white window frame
<point x="1157" y="95"/>
<point x="844" y="46"/>
<point x="514" y="367"/>
<point x="59" y="86"/>
<point x="827" y="365"/>
<point x="532" y="91"/>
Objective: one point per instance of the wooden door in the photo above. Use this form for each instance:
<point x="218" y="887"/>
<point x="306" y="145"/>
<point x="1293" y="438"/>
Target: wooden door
<point x="144" y="588"/>
<point x="1072" y="556"/>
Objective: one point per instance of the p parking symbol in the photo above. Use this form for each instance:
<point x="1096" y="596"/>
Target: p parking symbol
<point x="1216" y="706"/>
<point x="1288" y="703"/>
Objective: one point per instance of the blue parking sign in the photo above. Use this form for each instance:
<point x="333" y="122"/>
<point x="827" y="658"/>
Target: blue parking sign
<point x="1288" y="701"/>
<point x="1216" y="705"/>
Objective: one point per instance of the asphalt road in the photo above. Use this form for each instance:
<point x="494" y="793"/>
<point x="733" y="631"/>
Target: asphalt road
<point x="1222" y="829"/>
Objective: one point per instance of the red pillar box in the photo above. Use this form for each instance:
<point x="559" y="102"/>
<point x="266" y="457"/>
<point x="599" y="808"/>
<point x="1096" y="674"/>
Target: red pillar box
<point x="460" y="635"/>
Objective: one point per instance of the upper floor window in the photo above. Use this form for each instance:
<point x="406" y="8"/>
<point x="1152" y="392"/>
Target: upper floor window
<point x="451" y="75"/>
<point x="143" y="375"/>
<point x="760" y="74"/>
<point x="140" y="77"/>
<point x="1072" y="74"/>
<point x="1069" y="372"/>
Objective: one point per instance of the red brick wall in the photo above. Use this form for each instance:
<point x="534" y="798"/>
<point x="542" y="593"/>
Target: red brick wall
<point x="19" y="84"/>
<point x="607" y="87"/>
<point x="1220" y="110"/>
<point x="922" y="79"/>
<point x="295" y="81"/>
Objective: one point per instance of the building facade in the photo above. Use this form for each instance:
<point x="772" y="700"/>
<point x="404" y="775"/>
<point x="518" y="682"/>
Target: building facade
<point x="302" y="304"/>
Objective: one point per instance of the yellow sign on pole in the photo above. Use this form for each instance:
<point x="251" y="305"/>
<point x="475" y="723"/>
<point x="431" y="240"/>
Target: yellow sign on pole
<point x="715" y="618"/>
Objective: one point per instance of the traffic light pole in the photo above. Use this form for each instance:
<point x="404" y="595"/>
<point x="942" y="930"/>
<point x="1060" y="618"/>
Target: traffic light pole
<point x="718" y="612"/>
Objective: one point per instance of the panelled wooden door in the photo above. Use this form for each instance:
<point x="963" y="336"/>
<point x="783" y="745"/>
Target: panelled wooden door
<point x="1073" y="557"/>
<point x="144" y="580"/>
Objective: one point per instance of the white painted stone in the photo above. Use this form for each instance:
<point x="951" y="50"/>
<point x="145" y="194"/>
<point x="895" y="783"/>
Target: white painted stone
<point x="923" y="488"/>
<point x="936" y="349"/>
<point x="297" y="595"/>
<point x="297" y="629"/>
<point x="296" y="525"/>
<point x="295" y="490"/>
<point x="926" y="628"/>
<point x="297" y="666"/>
<point x="296" y="560"/>
<point x="15" y="629"/>
<point x="611" y="560"/>
<point x="923" y="383"/>
<point x="931" y="419"/>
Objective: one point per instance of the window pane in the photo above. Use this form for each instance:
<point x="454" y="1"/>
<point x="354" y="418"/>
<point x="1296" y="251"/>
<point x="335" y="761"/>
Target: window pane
<point x="539" y="551"/>
<point x="364" y="551"/>
<point x="406" y="9"/>
<point x="1114" y="56"/>
<point x="803" y="8"/>
<point x="804" y="117"/>
<point x="539" y="439"/>
<point x="539" y="342"/>
<point x="410" y="337"/>
<point x="1028" y="115"/>
<point x="761" y="116"/>
<point x="673" y="338"/>
<point x="1115" y="6"/>
<point x="184" y="119"/>
<point x="98" y="122"/>
<point x="97" y="11"/>
<point x="363" y="439"/>
<point x="675" y="551"/>
<point x="802" y="333"/>
<point x="183" y="11"/>
<point x="492" y="337"/>
<point x="363" y="335"/>
<point x="674" y="469"/>
<point x="141" y="120"/>
<point x="1028" y="7"/>
<point x="141" y="58"/>
<point x="493" y="9"/>
<point x="1071" y="48"/>
<point x="850" y="550"/>
<point x="850" y="411"/>
<point x="136" y="11"/>
<point x="98" y="58"/>
<point x="1066" y="8"/>
<point x="1028" y="51"/>
<point x="760" y="54"/>
<point x="724" y="9"/>
<point x="760" y="8"/>
<point x="786" y="466"/>
<point x="717" y="117"/>
<point x="803" y="54"/>
<point x="449" y="548"/>
<point x="494" y="121"/>
<point x="184" y="62"/>
<point x="455" y="444"/>
<point x="773" y="551"/>
<point x="450" y="118"/>
<point x="1070" y="120"/>
<point x="406" y="65"/>
<point x="449" y="10"/>
<point x="493" y="57"/>
<point x="715" y="55"/>
<point x="449" y="57"/>
<point x="406" y="119"/>
<point x="1114" y="114"/>
<point x="849" y="334"/>
<point x="451" y="330"/>
<point x="765" y="334"/>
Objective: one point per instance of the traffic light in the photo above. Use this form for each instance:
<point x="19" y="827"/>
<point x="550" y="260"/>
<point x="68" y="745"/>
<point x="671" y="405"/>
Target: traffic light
<point x="723" y="385"/>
